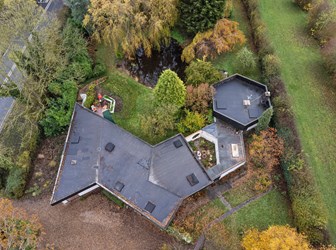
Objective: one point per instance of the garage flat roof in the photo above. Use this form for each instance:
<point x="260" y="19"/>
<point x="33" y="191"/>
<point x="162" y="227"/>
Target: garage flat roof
<point x="233" y="92"/>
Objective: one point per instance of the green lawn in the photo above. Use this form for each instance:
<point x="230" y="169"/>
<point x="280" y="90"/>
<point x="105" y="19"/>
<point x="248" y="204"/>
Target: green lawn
<point x="136" y="98"/>
<point x="311" y="91"/>
<point x="241" y="193"/>
<point x="272" y="209"/>
<point x="225" y="61"/>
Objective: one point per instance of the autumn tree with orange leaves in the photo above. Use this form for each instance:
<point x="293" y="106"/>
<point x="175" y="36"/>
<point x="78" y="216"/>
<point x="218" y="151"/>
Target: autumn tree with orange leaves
<point x="266" y="149"/>
<point x="17" y="229"/>
<point x="275" y="237"/>
<point x="199" y="98"/>
<point x="222" y="38"/>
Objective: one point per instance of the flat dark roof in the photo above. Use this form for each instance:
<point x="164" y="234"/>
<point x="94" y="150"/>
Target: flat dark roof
<point x="230" y="95"/>
<point x="226" y="136"/>
<point x="151" y="179"/>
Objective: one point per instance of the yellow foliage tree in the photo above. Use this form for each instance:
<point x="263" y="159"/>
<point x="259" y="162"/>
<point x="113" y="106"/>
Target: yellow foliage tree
<point x="17" y="229"/>
<point x="222" y="38"/>
<point x="130" y="24"/>
<point x="275" y="238"/>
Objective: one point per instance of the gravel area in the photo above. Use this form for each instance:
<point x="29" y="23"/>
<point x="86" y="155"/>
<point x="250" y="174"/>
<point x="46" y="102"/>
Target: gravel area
<point x="95" y="223"/>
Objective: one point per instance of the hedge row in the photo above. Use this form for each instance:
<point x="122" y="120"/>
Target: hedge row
<point x="308" y="210"/>
<point x="321" y="26"/>
<point x="322" y="23"/>
<point x="20" y="140"/>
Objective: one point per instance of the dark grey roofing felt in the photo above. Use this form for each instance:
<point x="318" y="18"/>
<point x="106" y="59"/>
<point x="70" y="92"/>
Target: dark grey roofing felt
<point x="226" y="136"/>
<point x="155" y="174"/>
<point x="231" y="92"/>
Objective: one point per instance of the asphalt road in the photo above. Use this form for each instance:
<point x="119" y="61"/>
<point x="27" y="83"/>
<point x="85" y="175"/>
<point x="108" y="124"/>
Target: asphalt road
<point x="6" y="103"/>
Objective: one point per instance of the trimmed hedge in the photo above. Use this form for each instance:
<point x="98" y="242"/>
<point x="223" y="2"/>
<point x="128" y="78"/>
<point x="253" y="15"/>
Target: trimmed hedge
<point x="309" y="213"/>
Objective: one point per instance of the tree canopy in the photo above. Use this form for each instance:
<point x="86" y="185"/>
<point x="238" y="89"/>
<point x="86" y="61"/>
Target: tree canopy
<point x="202" y="72"/>
<point x="17" y="18"/>
<point x="170" y="89"/>
<point x="274" y="238"/>
<point x="18" y="230"/>
<point x="78" y="9"/>
<point x="222" y="38"/>
<point x="200" y="15"/>
<point x="128" y="25"/>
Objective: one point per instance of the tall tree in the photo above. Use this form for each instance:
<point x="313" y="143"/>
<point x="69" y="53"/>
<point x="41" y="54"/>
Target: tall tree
<point x="170" y="89"/>
<point x="200" y="15"/>
<point x="222" y="38"/>
<point x="18" y="19"/>
<point x="127" y="25"/>
<point x="40" y="63"/>
<point x="78" y="9"/>
<point x="17" y="229"/>
<point x="275" y="237"/>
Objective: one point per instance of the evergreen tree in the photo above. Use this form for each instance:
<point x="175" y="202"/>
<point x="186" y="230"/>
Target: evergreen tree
<point x="170" y="89"/>
<point x="200" y="15"/>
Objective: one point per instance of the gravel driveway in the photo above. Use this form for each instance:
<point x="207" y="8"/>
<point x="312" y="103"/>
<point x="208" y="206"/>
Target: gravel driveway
<point x="94" y="223"/>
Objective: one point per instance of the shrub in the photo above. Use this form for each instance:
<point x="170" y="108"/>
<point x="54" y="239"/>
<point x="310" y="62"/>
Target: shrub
<point x="99" y="69"/>
<point x="199" y="98"/>
<point x="202" y="72"/>
<point x="90" y="96"/>
<point x="266" y="149"/>
<point x="192" y="122"/>
<point x="245" y="61"/>
<point x="16" y="180"/>
<point x="228" y="9"/>
<point x="304" y="4"/>
<point x="158" y="121"/>
<point x="322" y="21"/>
<point x="271" y="67"/>
<point x="170" y="89"/>
<point x="329" y="57"/>
<point x="222" y="38"/>
<point x="264" y="120"/>
<point x="275" y="237"/>
<point x="58" y="115"/>
<point x="199" y="15"/>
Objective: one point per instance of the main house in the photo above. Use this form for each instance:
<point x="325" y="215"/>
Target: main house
<point x="154" y="180"/>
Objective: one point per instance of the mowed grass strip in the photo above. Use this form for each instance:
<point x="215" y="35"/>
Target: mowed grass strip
<point x="272" y="209"/>
<point x="312" y="93"/>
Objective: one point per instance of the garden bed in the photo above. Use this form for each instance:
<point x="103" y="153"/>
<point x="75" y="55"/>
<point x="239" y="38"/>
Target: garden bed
<point x="205" y="151"/>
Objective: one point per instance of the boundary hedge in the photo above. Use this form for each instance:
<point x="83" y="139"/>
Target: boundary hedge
<point x="310" y="216"/>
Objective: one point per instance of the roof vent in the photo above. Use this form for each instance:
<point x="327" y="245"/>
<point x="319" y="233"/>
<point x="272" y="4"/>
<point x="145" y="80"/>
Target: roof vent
<point x="75" y="139"/>
<point x="109" y="147"/>
<point x="246" y="103"/>
<point x="192" y="179"/>
<point x="178" y="144"/>
<point x="73" y="162"/>
<point x="150" y="207"/>
<point x="119" y="186"/>
<point x="267" y="93"/>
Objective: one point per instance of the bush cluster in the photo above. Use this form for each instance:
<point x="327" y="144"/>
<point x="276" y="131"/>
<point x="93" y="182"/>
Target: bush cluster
<point x="15" y="161"/>
<point x="63" y="90"/>
<point x="308" y="209"/>
<point x="322" y="20"/>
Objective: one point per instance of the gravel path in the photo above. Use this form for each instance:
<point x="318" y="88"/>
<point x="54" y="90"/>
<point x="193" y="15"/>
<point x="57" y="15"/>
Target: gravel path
<point x="94" y="223"/>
